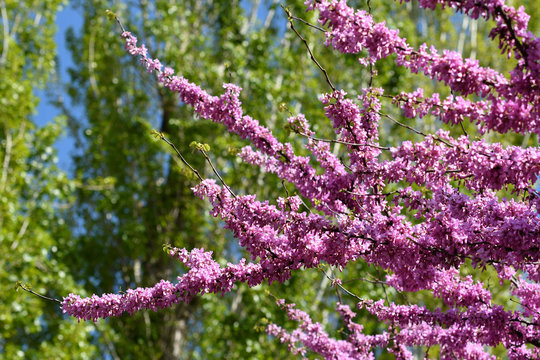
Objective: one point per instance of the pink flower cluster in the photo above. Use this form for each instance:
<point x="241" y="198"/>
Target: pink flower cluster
<point x="204" y="276"/>
<point x="509" y="36"/>
<point x="314" y="338"/>
<point x="448" y="187"/>
<point x="508" y="105"/>
<point x="460" y="333"/>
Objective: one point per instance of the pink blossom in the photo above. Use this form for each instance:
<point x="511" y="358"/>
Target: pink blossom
<point x="447" y="185"/>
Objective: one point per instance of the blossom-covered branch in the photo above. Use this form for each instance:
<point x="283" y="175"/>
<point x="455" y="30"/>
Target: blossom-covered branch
<point x="509" y="105"/>
<point x="445" y="211"/>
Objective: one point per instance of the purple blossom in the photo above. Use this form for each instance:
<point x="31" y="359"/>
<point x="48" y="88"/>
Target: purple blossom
<point x="449" y="185"/>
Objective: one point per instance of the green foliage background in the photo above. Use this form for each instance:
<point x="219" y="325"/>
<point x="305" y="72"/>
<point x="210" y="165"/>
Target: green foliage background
<point x="101" y="229"/>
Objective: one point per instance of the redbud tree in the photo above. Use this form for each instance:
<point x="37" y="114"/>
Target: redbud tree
<point x="422" y="211"/>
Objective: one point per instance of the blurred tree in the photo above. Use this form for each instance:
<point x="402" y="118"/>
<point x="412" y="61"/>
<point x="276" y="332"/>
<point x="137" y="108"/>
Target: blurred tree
<point x="33" y="195"/>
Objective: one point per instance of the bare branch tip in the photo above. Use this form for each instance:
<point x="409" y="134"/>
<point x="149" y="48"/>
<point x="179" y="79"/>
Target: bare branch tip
<point x="28" y="289"/>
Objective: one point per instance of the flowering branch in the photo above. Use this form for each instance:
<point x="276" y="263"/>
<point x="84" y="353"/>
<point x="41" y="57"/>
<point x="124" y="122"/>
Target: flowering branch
<point x="445" y="211"/>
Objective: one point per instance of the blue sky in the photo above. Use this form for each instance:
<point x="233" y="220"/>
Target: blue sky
<point x="66" y="18"/>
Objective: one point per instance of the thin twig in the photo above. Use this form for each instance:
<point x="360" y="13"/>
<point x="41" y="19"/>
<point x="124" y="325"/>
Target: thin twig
<point x="403" y="125"/>
<point x="289" y="15"/>
<point x="380" y="195"/>
<point x="370" y="75"/>
<point x="383" y="285"/>
<point x="333" y="141"/>
<point x="162" y="137"/>
<point x="39" y="295"/>
<point x="341" y="287"/>
<point x="228" y="72"/>
<point x="523" y="305"/>
<point x="463" y="128"/>
<point x="414" y="130"/>
<point x="216" y="172"/>
<point x="508" y="22"/>
<point x="305" y="205"/>
<point x="364" y="280"/>
<point x="307" y="23"/>
<point x="337" y="288"/>
<point x="111" y="14"/>
<point x="446" y="171"/>
<point x="287" y="191"/>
